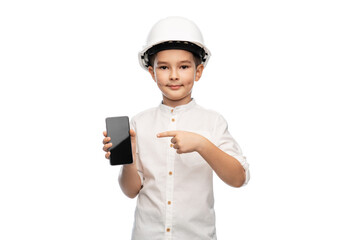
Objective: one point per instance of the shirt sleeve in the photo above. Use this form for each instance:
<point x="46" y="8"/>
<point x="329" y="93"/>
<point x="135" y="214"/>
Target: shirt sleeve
<point x="227" y="143"/>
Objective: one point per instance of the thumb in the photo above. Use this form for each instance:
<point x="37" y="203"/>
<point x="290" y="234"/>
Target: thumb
<point x="132" y="133"/>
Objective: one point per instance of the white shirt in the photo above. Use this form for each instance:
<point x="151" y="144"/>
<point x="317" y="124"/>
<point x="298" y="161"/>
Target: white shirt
<point x="176" y="201"/>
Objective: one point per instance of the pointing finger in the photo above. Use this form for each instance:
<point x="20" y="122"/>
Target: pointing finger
<point x="167" y="134"/>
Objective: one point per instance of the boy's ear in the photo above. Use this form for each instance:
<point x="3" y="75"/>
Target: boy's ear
<point x="152" y="73"/>
<point x="199" y="70"/>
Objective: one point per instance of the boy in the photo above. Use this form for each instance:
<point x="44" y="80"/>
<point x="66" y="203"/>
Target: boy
<point x="177" y="145"/>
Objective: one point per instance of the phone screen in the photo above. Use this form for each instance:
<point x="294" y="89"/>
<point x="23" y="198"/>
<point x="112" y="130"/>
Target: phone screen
<point x="118" y="130"/>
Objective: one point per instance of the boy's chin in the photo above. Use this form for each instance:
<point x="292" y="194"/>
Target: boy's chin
<point x="177" y="98"/>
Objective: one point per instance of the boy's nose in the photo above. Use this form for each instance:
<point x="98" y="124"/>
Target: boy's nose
<point x="174" y="75"/>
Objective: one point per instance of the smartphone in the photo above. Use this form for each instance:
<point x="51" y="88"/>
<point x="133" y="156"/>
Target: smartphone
<point x="118" y="130"/>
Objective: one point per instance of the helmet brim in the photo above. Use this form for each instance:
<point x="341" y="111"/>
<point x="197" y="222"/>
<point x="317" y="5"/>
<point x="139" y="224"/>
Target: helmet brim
<point x="197" y="49"/>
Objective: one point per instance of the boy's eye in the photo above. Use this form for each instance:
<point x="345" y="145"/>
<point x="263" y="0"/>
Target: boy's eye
<point x="184" y="67"/>
<point x="162" y="67"/>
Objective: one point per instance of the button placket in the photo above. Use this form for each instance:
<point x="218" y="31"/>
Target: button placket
<point x="170" y="177"/>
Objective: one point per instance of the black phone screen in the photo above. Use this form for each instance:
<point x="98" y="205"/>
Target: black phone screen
<point x="118" y="130"/>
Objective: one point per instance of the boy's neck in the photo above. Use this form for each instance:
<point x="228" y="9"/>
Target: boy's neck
<point x="176" y="103"/>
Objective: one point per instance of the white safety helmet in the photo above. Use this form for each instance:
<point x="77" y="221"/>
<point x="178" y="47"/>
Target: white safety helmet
<point x="174" y="33"/>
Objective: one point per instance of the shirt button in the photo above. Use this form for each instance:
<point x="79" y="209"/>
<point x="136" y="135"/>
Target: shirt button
<point x="170" y="173"/>
<point x="168" y="229"/>
<point x="169" y="202"/>
<point x="173" y="119"/>
<point x="172" y="110"/>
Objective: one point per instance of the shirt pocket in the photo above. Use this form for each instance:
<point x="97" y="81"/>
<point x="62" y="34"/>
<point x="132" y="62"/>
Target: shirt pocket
<point x="194" y="159"/>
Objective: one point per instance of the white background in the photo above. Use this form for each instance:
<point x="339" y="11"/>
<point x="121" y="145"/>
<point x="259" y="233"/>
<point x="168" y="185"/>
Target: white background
<point x="284" y="74"/>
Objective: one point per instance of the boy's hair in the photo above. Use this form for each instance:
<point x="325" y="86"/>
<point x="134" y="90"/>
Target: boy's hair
<point x="197" y="60"/>
<point x="198" y="52"/>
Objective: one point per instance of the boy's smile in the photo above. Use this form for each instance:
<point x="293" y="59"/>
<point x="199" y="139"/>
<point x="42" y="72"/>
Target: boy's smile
<point x="175" y="72"/>
<point x="174" y="87"/>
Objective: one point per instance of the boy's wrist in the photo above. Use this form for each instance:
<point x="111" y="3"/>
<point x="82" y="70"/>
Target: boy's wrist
<point x="202" y="145"/>
<point x="130" y="166"/>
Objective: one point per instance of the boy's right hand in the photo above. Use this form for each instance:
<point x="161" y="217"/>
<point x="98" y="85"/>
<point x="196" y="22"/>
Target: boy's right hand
<point x="108" y="144"/>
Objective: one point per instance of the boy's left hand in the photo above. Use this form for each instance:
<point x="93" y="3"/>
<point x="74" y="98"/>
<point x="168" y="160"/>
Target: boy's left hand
<point x="184" y="142"/>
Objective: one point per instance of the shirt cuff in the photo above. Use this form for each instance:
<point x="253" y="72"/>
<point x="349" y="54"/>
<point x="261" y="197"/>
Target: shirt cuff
<point x="245" y="164"/>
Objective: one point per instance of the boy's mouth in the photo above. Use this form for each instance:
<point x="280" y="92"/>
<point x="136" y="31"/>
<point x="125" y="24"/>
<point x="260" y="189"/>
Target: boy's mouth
<point x="174" y="87"/>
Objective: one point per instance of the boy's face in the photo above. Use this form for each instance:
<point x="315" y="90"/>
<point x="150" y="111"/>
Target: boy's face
<point x="175" y="72"/>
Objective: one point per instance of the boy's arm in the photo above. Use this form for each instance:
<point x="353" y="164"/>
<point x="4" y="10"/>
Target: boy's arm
<point x="129" y="179"/>
<point x="228" y="168"/>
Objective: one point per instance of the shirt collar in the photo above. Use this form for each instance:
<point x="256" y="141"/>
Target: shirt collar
<point x="177" y="109"/>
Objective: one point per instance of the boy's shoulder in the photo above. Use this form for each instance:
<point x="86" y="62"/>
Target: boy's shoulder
<point x="211" y="115"/>
<point x="144" y="114"/>
<point x="207" y="111"/>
